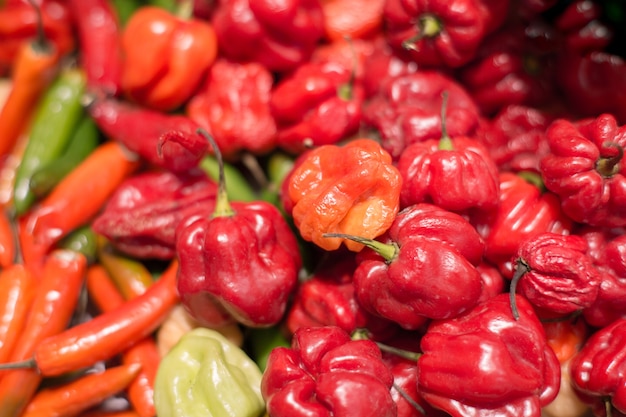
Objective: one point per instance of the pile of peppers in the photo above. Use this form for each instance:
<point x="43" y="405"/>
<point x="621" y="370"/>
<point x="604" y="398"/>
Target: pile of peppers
<point x="334" y="208"/>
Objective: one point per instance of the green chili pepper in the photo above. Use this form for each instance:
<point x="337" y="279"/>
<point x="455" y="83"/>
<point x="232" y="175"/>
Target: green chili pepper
<point x="279" y="164"/>
<point x="239" y="188"/>
<point x="83" y="141"/>
<point x="54" y="121"/>
<point x="206" y="375"/>
<point x="82" y="240"/>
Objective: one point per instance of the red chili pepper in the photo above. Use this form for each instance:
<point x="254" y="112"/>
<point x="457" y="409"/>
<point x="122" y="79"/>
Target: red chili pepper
<point x="581" y="25"/>
<point x="324" y="373"/>
<point x="18" y="288"/>
<point x="493" y="281"/>
<point x="52" y="307"/>
<point x="8" y="249"/>
<point x="279" y="38"/>
<point x="72" y="398"/>
<point x="165" y="140"/>
<point x="352" y="19"/>
<point x="489" y="377"/>
<point x="166" y="57"/>
<point x="98" y="31"/>
<point x="233" y="106"/>
<point x="588" y="152"/>
<point x="107" y="334"/>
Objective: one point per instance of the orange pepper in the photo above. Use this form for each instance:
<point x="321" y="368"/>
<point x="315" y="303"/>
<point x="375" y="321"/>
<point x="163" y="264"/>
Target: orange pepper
<point x="354" y="19"/>
<point x="566" y="337"/>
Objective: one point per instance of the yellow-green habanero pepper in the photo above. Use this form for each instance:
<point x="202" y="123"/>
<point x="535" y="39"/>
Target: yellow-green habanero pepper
<point x="206" y="375"/>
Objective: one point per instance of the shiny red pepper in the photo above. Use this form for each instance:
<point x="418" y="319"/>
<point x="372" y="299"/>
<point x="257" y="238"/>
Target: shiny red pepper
<point x="278" y="36"/>
<point x="141" y="217"/>
<point x="585" y="169"/>
<point x="166" y="57"/>
<point x="486" y="363"/>
<point x="581" y="26"/>
<point x="325" y="374"/>
<point x="169" y="141"/>
<point x="233" y="105"/>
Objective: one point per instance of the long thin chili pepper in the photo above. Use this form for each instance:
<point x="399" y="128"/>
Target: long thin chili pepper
<point x="107" y="334"/>
<point x="33" y="70"/>
<point x="8" y="170"/>
<point x="75" y="200"/>
<point x="52" y="307"/>
<point x="82" y="240"/>
<point x="107" y="297"/>
<point x="72" y="398"/>
<point x="18" y="287"/>
<point x="7" y="241"/>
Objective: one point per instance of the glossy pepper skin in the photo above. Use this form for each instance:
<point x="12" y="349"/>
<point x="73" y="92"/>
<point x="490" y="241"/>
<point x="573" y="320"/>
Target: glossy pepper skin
<point x="555" y="274"/>
<point x="325" y="374"/>
<point x="141" y="217"/>
<point x="166" y="57"/>
<point x="598" y="370"/>
<point x="429" y="274"/>
<point x="585" y="169"/>
<point x="279" y="37"/>
<point x="441" y="34"/>
<point x="205" y="374"/>
<point x="233" y="105"/>
<point x="506" y="367"/>
<point x="168" y="141"/>
<point x="318" y="104"/>
<point x="407" y="109"/>
<point x="359" y="196"/>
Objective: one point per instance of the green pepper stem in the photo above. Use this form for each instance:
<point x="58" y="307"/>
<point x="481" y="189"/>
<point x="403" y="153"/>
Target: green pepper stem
<point x="521" y="269"/>
<point x="409" y="399"/>
<point x="25" y="364"/>
<point x="428" y="26"/>
<point x="533" y="178"/>
<point x="344" y="91"/>
<point x="222" y="205"/>
<point x="387" y="251"/>
<point x="607" y="167"/>
<point x="184" y="9"/>
<point x="445" y="143"/>
<point x="40" y="44"/>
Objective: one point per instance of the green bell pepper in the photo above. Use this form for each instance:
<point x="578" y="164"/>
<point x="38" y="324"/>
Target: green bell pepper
<point x="206" y="375"/>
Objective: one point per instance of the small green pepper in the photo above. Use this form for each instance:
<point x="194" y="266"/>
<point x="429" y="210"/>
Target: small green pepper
<point x="82" y="240"/>
<point x="206" y="375"/>
<point x="54" y="121"/>
<point x="239" y="188"/>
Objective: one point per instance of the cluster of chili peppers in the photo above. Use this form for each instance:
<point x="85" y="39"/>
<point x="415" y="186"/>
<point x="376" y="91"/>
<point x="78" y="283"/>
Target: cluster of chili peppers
<point x="359" y="208"/>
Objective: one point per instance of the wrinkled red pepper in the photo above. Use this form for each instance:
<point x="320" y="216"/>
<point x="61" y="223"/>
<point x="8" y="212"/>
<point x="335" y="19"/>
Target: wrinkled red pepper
<point x="585" y="169"/>
<point x="325" y="374"/>
<point x="441" y="33"/>
<point x="141" y="217"/>
<point x="407" y="109"/>
<point x="169" y="141"/>
<point x="166" y="57"/>
<point x="486" y="363"/>
<point x="233" y="105"/>
<point x="278" y="36"/>
<point x="555" y="274"/>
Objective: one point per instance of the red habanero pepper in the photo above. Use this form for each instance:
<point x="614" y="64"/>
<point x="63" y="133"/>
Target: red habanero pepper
<point x="51" y="309"/>
<point x="455" y="173"/>
<point x="279" y="38"/>
<point x="352" y="19"/>
<point x="18" y="288"/>
<point x="107" y="334"/>
<point x="485" y="362"/>
<point x="100" y="54"/>
<point x="317" y="104"/>
<point x="598" y="370"/>
<point x="423" y="267"/>
<point x="492" y="279"/>
<point x="441" y="34"/>
<point x="407" y="109"/>
<point x="555" y="274"/>
<point x="581" y="26"/>
<point x="360" y="196"/>
<point x="169" y="141"/>
<point x="141" y="216"/>
<point x="233" y="106"/>
<point x="240" y="261"/>
<point x="166" y="56"/>
<point x="585" y="168"/>
<point x="324" y="374"/>
<point x="74" y="397"/>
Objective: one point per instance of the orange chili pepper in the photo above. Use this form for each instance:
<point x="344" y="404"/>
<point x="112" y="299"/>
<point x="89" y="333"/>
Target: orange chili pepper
<point x="355" y="19"/>
<point x="106" y="296"/>
<point x="110" y="333"/>
<point x="52" y="307"/>
<point x="8" y="171"/>
<point x="18" y="287"/>
<point x="7" y="241"/>
<point x="70" y="399"/>
<point x="566" y="337"/>
<point x="75" y="200"/>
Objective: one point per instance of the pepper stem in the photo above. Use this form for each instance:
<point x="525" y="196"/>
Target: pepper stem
<point x="40" y="44"/>
<point x="533" y="178"/>
<point x="184" y="9"/>
<point x="361" y="334"/>
<point x="344" y="91"/>
<point x="222" y="205"/>
<point x="521" y="269"/>
<point x="428" y="26"/>
<point x="445" y="143"/>
<point x="607" y="167"/>
<point x="387" y="251"/>
<point x="25" y="364"/>
<point x="409" y="399"/>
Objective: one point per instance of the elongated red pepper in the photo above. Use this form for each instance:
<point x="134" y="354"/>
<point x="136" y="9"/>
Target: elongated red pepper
<point x="18" y="288"/>
<point x="165" y="140"/>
